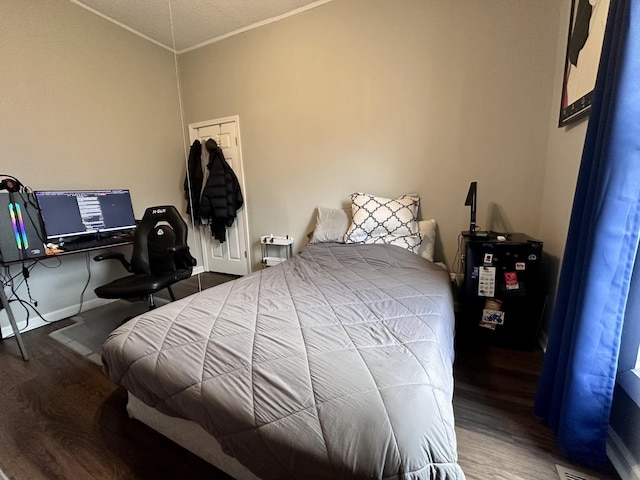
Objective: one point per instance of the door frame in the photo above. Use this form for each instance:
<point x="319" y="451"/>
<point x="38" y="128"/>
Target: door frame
<point x="193" y="127"/>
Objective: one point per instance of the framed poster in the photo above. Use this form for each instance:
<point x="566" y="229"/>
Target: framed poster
<point x="584" y="46"/>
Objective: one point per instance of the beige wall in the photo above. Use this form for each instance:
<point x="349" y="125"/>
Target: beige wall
<point x="84" y="104"/>
<point x="361" y="95"/>
<point x="355" y="95"/>
<point x="564" y="151"/>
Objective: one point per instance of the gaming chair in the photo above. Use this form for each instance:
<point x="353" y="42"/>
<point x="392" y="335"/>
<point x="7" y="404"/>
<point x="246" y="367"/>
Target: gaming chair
<point x="159" y="259"/>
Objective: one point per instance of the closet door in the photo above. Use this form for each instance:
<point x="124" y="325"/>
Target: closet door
<point x="230" y="256"/>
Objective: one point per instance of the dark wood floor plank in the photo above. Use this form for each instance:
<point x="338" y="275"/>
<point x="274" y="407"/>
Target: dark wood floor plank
<point x="62" y="418"/>
<point x="499" y="437"/>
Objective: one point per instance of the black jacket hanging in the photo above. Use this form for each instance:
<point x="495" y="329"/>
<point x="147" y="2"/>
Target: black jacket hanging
<point x="194" y="178"/>
<point x="221" y="197"/>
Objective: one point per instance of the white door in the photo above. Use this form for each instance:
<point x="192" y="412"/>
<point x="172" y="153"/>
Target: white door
<point x="230" y="256"/>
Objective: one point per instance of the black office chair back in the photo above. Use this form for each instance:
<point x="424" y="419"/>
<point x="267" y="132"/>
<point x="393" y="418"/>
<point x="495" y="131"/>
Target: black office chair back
<point x="160" y="229"/>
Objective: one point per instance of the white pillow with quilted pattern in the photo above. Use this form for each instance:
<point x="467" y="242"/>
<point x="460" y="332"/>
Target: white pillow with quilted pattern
<point x="374" y="216"/>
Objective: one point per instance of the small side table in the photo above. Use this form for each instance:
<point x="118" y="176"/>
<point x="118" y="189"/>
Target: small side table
<point x="275" y="249"/>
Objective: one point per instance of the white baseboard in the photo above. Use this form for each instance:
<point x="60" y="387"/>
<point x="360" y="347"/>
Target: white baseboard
<point x="49" y="317"/>
<point x="197" y="270"/>
<point x="621" y="459"/>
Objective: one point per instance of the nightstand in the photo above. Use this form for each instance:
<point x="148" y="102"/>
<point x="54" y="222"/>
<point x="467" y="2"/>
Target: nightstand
<point x="275" y="249"/>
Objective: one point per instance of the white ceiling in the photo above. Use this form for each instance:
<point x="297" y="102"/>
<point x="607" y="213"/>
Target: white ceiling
<point x="193" y="22"/>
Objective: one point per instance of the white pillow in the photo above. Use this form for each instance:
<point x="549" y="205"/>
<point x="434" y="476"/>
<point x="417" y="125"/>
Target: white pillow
<point x="331" y="225"/>
<point x="378" y="217"/>
<point x="428" y="232"/>
<point x="409" y="242"/>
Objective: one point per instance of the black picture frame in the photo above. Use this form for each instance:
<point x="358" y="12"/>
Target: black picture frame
<point x="584" y="47"/>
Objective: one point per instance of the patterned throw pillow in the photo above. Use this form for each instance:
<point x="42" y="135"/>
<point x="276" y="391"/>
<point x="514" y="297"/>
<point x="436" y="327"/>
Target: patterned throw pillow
<point x="378" y="217"/>
<point x="408" y="242"/>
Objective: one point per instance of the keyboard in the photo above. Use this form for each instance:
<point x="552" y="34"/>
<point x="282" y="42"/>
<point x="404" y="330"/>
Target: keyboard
<point x="96" y="243"/>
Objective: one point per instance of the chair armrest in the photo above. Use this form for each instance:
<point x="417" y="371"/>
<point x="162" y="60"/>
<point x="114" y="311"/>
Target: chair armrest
<point x="114" y="256"/>
<point x="183" y="250"/>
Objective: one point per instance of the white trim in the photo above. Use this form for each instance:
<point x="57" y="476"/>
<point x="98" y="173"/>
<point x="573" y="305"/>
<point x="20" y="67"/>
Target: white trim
<point x="629" y="381"/>
<point x="197" y="270"/>
<point x="66" y="312"/>
<point x="122" y="25"/>
<point x="621" y="458"/>
<point x="217" y="121"/>
<point x="55" y="316"/>
<point x="248" y="253"/>
<point x="206" y="42"/>
<point x="193" y="130"/>
<point x="255" y="25"/>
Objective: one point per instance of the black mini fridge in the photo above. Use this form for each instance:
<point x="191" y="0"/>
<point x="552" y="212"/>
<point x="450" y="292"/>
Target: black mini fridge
<point x="502" y="300"/>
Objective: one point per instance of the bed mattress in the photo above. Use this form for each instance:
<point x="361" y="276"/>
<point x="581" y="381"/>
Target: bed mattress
<point x="334" y="364"/>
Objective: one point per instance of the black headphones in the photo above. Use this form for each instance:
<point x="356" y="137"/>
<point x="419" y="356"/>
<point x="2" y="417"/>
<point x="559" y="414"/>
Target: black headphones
<point x="10" y="183"/>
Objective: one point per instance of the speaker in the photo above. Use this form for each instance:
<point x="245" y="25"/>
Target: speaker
<point x="21" y="234"/>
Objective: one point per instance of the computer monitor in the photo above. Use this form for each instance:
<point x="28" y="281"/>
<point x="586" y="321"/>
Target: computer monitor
<point x="472" y="195"/>
<point x="73" y="213"/>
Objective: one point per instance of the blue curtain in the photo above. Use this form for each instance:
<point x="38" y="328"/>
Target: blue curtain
<point x="576" y="386"/>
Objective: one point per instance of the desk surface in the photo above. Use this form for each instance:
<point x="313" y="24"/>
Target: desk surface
<point x="77" y="247"/>
<point x="70" y="248"/>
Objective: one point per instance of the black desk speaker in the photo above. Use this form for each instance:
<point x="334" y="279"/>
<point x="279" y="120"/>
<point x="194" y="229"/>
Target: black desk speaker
<point x="21" y="236"/>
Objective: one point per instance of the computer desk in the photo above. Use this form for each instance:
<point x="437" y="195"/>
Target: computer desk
<point x="51" y="253"/>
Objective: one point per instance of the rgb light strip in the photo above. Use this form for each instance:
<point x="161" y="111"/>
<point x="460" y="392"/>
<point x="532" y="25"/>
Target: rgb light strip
<point x="18" y="226"/>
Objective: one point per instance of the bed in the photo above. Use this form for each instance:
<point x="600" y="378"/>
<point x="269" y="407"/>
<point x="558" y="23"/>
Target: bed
<point x="334" y="364"/>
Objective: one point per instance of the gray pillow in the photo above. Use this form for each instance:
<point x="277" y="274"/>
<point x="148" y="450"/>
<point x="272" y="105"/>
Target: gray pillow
<point x="331" y="225"/>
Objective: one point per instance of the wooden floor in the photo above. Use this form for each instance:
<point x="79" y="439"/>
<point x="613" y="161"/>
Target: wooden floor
<point x="499" y="437"/>
<point x="62" y="418"/>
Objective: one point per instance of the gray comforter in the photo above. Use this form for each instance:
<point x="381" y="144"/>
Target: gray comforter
<point x="334" y="364"/>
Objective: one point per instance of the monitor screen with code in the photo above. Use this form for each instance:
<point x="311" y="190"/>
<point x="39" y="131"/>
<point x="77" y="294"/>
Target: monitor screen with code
<point x="73" y="213"/>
